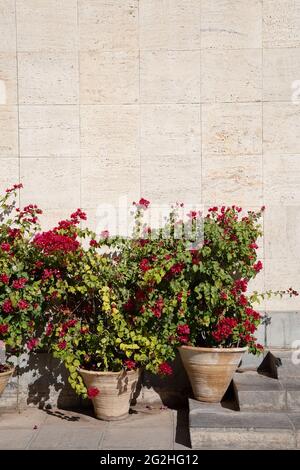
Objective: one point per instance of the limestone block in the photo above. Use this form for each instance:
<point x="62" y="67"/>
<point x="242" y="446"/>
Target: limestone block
<point x="51" y="217"/>
<point x="284" y="328"/>
<point x="52" y="183"/>
<point x="282" y="178"/>
<point x="108" y="25"/>
<point x="280" y="274"/>
<point x="281" y="128"/>
<point x="104" y="180"/>
<point x="231" y="24"/>
<point x="170" y="76"/>
<point x="170" y="130"/>
<point x="166" y="24"/>
<point x="8" y="78"/>
<point x="232" y="128"/>
<point x="109" y="77"/>
<point x="281" y="74"/>
<point x="8" y="131"/>
<point x="281" y="23"/>
<point x="48" y="78"/>
<point x="171" y="178"/>
<point x="47" y="26"/>
<point x="281" y="230"/>
<point x="232" y="179"/>
<point x="231" y="76"/>
<point x="107" y="130"/>
<point x="9" y="173"/>
<point x="7" y="26"/>
<point x="47" y="131"/>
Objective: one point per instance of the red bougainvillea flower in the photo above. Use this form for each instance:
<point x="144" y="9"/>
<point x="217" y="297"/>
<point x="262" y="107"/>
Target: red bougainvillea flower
<point x="104" y="234"/>
<point x="19" y="283"/>
<point x="140" y="295"/>
<point x="23" y="304"/>
<point x="50" y="242"/>
<point x="223" y="296"/>
<point x="142" y="204"/>
<point x="258" y="266"/>
<point x="252" y="313"/>
<point x="78" y="215"/>
<point x="157" y="309"/>
<point x="15" y="186"/>
<point x="7" y="306"/>
<point x="224" y="328"/>
<point x="241" y="285"/>
<point x="32" y="343"/>
<point x="4" y="278"/>
<point x="93" y="243"/>
<point x="5" y="246"/>
<point x="249" y="326"/>
<point x="49" y="329"/>
<point x="92" y="392"/>
<point x="39" y="264"/>
<point x="130" y="364"/>
<point x="183" y="330"/>
<point x="14" y="233"/>
<point x="62" y="345"/>
<point x="165" y="369"/>
<point x="176" y="268"/>
<point x="243" y="300"/>
<point x="253" y="246"/>
<point x="3" y="329"/>
<point x="144" y="265"/>
<point x="193" y="214"/>
<point x="183" y="339"/>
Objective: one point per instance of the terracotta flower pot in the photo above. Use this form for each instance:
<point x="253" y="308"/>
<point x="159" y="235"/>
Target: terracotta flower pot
<point x="4" y="378"/>
<point x="210" y="370"/>
<point x="116" y="390"/>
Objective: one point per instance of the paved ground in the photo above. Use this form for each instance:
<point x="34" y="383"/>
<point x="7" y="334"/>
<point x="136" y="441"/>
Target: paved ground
<point x="144" y="429"/>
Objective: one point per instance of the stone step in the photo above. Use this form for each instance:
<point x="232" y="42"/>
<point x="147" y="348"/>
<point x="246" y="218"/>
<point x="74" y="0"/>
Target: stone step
<point x="256" y="392"/>
<point x="214" y="427"/>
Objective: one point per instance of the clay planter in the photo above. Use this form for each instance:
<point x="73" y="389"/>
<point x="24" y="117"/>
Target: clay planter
<point x="210" y="370"/>
<point x="116" y="391"/>
<point x="4" y="378"/>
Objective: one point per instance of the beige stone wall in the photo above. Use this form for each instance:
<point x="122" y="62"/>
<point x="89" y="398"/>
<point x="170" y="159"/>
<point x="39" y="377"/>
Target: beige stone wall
<point x="169" y="99"/>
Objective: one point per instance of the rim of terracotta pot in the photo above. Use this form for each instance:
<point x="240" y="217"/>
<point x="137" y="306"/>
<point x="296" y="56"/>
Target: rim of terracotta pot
<point x="8" y="372"/>
<point x="99" y="372"/>
<point x="214" y="350"/>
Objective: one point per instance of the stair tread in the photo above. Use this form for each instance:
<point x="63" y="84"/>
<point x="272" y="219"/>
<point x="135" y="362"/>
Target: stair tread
<point x="252" y="381"/>
<point x="208" y="416"/>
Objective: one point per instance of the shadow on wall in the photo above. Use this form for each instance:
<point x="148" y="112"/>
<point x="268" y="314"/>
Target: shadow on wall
<point x="41" y="380"/>
<point x="171" y="391"/>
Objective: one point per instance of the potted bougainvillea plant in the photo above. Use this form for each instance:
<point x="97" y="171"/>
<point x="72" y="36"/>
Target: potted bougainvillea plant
<point x="221" y="316"/>
<point x="101" y="323"/>
<point x="85" y="329"/>
<point x="21" y="297"/>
